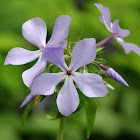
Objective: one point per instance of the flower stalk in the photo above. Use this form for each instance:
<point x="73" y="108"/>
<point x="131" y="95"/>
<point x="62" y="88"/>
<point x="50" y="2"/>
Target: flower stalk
<point x="106" y="40"/>
<point x="61" y="129"/>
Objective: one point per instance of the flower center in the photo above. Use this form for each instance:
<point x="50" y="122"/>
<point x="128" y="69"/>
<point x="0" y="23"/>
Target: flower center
<point x="68" y="73"/>
<point x="41" y="49"/>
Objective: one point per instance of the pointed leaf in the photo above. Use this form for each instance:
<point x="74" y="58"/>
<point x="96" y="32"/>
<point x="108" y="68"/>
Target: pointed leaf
<point x="82" y="99"/>
<point x="53" y="117"/>
<point x="100" y="49"/>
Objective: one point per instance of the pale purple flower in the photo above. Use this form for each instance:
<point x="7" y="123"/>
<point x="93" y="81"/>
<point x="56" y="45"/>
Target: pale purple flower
<point x="116" y="31"/>
<point x="113" y="74"/>
<point x="35" y="31"/>
<point x="91" y="85"/>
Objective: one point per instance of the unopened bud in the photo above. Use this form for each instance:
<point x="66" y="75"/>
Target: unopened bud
<point x="113" y="74"/>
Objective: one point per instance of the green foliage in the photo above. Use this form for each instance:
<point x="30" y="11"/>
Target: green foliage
<point x="53" y="117"/>
<point x="26" y="111"/>
<point x="82" y="100"/>
<point x="117" y="115"/>
<point x="90" y="109"/>
<point x="42" y="98"/>
<point x="91" y="68"/>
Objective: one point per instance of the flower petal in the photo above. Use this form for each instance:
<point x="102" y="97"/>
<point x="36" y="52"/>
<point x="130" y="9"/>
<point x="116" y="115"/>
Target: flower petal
<point x="67" y="99"/>
<point x="29" y="75"/>
<point x="55" y="55"/>
<point x="121" y="33"/>
<point x="19" y="56"/>
<point x="90" y="84"/>
<point x="35" y="31"/>
<point x="45" y="83"/>
<point x="60" y="30"/>
<point x="128" y="47"/>
<point x="105" y="17"/>
<point x="28" y="98"/>
<point x="83" y="53"/>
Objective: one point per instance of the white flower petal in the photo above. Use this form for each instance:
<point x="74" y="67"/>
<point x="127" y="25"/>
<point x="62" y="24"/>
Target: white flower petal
<point x="67" y="99"/>
<point x="35" y="31"/>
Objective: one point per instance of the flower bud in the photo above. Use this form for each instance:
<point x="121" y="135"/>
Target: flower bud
<point x="113" y="74"/>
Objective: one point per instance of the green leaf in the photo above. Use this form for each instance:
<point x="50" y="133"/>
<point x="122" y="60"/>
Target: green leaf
<point x="53" y="117"/>
<point x="90" y="109"/>
<point x="100" y="49"/>
<point x="108" y="85"/>
<point x="26" y="111"/>
<point x="91" y="68"/>
<point x="58" y="87"/>
<point x="42" y="98"/>
<point x="82" y="99"/>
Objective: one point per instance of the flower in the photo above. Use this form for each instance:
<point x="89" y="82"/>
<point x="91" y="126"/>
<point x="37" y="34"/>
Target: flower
<point x="116" y="31"/>
<point x="113" y="74"/>
<point x="35" y="31"/>
<point x="91" y="85"/>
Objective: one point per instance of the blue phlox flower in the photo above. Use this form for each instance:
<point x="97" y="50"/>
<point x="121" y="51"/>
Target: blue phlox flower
<point x="91" y="85"/>
<point x="35" y="31"/>
<point x="116" y="31"/>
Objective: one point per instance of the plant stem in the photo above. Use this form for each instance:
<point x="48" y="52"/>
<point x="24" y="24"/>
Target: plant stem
<point x="106" y="40"/>
<point x="61" y="129"/>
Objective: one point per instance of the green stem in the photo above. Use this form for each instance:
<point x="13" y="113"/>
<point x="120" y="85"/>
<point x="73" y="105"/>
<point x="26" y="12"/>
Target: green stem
<point x="61" y="129"/>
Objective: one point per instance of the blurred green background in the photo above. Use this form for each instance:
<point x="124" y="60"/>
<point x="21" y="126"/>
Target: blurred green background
<point x="118" y="115"/>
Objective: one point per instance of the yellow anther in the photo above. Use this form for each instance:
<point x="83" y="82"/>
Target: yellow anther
<point x="68" y="73"/>
<point x="36" y="98"/>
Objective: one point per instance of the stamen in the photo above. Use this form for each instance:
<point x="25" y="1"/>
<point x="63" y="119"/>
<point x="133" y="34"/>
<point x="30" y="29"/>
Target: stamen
<point x="36" y="98"/>
<point x="68" y="73"/>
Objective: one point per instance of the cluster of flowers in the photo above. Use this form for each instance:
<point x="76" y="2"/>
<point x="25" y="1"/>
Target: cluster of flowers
<point x="83" y="53"/>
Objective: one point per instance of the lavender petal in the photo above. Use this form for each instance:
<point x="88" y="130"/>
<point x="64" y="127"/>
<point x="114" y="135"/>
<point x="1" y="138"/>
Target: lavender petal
<point x="105" y="17"/>
<point x="91" y="85"/>
<point x="29" y="75"/>
<point x="55" y="55"/>
<point x="35" y="31"/>
<point x="45" y="83"/>
<point x="28" y="99"/>
<point x="128" y="47"/>
<point x="67" y="99"/>
<point x="83" y="53"/>
<point x="121" y="33"/>
<point x="20" y="56"/>
<point x="60" y="30"/>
